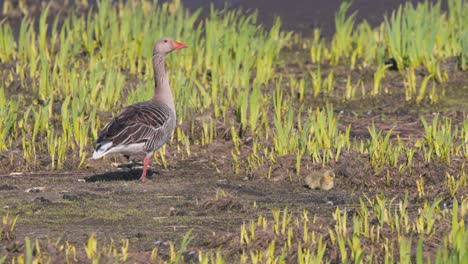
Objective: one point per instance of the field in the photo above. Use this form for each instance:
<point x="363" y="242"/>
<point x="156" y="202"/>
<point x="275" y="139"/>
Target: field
<point x="259" y="110"/>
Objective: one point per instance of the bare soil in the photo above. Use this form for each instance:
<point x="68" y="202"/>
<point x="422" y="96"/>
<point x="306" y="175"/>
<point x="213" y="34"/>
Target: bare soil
<point x="201" y="193"/>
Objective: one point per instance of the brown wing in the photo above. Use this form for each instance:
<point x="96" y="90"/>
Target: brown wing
<point x="144" y="122"/>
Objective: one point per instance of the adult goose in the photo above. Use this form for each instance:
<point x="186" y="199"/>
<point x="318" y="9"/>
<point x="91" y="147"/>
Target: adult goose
<point x="144" y="127"/>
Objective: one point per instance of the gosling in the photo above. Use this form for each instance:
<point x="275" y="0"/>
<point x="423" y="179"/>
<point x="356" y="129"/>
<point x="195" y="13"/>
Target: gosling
<point x="319" y="180"/>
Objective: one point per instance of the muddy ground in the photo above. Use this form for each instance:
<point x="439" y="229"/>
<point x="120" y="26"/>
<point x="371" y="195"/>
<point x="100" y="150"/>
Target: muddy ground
<point x="186" y="196"/>
<point x="115" y="205"/>
<point x="202" y="193"/>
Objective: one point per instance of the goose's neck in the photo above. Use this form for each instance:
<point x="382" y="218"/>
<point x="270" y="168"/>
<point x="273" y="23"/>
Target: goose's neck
<point x="162" y="90"/>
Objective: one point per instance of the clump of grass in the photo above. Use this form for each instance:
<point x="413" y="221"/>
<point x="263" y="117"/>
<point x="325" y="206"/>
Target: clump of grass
<point x="439" y="139"/>
<point x="342" y="41"/>
<point x="317" y="137"/>
<point x="7" y="232"/>
<point x="381" y="150"/>
<point x="418" y="35"/>
<point x="464" y="51"/>
<point x="8" y="115"/>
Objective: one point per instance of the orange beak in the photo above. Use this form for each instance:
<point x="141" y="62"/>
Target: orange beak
<point x="178" y="45"/>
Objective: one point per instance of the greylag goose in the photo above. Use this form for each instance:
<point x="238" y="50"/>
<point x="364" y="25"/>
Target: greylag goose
<point x="144" y="127"/>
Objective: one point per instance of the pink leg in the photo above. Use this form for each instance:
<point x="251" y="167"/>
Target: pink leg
<point x="145" y="167"/>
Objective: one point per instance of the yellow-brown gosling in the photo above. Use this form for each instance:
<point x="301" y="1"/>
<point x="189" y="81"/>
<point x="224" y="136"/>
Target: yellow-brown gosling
<point x="313" y="180"/>
<point x="320" y="180"/>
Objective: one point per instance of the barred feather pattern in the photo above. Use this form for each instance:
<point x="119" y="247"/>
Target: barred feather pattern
<point x="150" y="122"/>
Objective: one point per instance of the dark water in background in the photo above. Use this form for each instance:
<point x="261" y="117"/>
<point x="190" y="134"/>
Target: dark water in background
<point x="301" y="15"/>
<point x="304" y="15"/>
